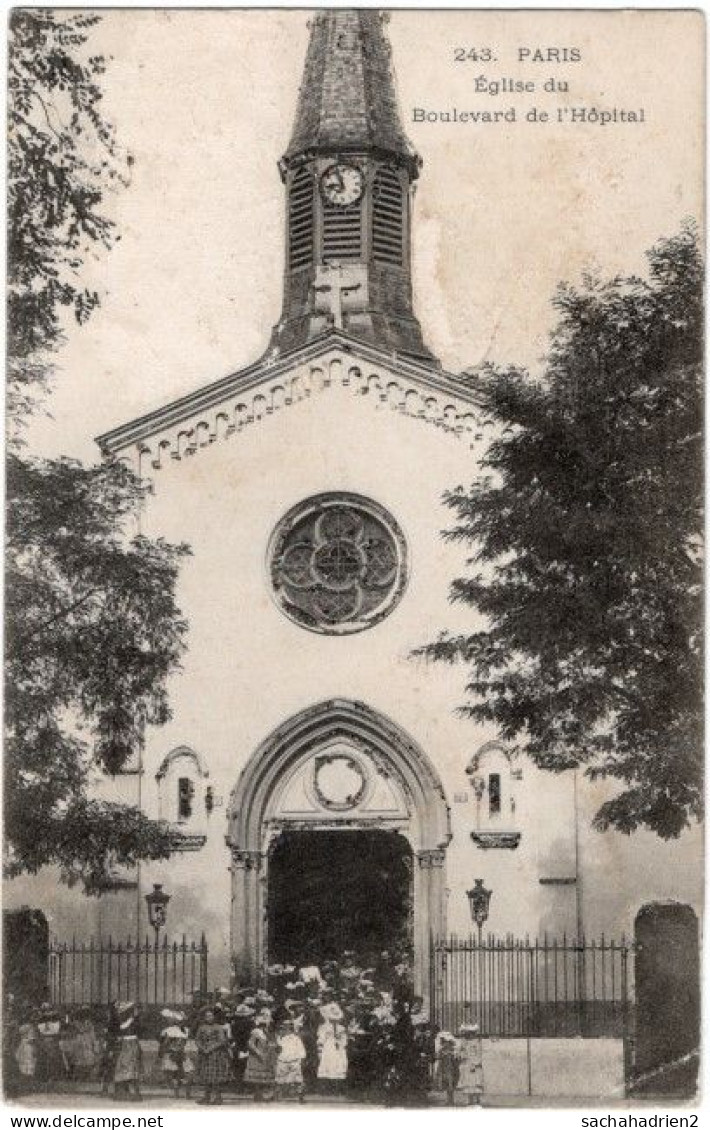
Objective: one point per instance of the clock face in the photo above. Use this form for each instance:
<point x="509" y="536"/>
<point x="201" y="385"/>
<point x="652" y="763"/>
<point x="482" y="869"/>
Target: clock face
<point x="342" y="184"/>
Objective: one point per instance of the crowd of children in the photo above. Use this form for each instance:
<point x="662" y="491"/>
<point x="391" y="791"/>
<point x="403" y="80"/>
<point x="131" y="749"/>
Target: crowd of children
<point x="335" y="1028"/>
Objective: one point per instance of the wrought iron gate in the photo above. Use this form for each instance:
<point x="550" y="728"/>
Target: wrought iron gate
<point x="100" y="971"/>
<point x="514" y="987"/>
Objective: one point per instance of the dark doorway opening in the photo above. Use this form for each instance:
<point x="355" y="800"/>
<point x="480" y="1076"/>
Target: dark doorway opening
<point x="332" y="891"/>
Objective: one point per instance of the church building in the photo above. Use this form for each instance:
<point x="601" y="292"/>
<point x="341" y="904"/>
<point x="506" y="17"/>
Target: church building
<point x="324" y="792"/>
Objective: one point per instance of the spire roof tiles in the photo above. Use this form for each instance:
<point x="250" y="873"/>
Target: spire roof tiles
<point x="347" y="97"/>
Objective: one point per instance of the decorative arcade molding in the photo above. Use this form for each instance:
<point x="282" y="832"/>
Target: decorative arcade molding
<point x="183" y="429"/>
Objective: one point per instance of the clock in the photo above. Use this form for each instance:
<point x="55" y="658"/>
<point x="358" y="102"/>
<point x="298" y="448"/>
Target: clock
<point x="342" y="184"/>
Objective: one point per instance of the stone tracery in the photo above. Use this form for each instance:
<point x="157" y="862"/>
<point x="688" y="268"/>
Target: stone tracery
<point x="338" y="563"/>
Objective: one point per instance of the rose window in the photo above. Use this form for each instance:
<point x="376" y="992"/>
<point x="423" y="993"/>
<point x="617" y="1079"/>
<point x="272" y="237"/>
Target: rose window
<point x="338" y="563"/>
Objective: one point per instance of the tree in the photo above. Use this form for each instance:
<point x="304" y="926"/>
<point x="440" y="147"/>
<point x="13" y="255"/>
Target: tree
<point x="62" y="158"/>
<point x="586" y="530"/>
<point x="92" y="626"/>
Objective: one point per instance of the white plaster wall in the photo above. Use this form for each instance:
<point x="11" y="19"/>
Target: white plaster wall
<point x="249" y="668"/>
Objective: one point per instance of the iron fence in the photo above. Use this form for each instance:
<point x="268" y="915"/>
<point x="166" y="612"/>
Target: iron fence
<point x="514" y="987"/>
<point x="99" y="971"/>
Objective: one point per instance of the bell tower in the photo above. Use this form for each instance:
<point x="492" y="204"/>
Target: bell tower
<point x="349" y="174"/>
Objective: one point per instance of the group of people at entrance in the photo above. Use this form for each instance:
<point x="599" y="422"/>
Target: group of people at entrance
<point x="277" y="1054"/>
<point x="339" y="1028"/>
<point x="330" y="1028"/>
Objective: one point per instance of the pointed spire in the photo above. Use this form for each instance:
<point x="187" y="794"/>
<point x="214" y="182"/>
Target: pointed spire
<point x="347" y="98"/>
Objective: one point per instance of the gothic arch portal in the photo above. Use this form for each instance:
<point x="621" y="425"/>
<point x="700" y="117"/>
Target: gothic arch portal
<point x="401" y="791"/>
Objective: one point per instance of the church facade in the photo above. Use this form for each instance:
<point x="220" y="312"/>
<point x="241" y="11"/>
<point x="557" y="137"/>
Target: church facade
<point x="325" y="793"/>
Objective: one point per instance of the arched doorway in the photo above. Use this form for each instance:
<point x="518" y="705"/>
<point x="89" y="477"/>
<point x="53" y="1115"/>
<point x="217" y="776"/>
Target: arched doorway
<point x="332" y="890"/>
<point x="338" y="799"/>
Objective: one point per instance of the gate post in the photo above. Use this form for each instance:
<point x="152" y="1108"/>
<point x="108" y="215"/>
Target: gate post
<point x="26" y="955"/>
<point x="667" y="1001"/>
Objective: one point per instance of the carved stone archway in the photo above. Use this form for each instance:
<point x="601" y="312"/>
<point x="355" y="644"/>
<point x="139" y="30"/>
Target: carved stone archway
<point x="404" y="793"/>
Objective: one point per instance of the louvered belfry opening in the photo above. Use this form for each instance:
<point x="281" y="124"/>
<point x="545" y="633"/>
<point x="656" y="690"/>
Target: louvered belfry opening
<point x="301" y="220"/>
<point x="347" y="115"/>
<point x="342" y="231"/>
<point x="387" y="217"/>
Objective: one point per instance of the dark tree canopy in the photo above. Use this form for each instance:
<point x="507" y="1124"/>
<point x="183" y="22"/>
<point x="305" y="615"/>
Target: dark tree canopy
<point x="92" y="632"/>
<point x="92" y="625"/>
<point x="586" y="529"/>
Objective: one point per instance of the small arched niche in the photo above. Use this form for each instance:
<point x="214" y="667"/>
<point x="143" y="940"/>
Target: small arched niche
<point x="184" y="797"/>
<point x="493" y="776"/>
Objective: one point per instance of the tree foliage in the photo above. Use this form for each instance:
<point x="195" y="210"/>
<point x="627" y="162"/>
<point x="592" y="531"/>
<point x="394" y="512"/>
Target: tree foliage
<point x="62" y="158"/>
<point x="586" y="529"/>
<point x="92" y="625"/>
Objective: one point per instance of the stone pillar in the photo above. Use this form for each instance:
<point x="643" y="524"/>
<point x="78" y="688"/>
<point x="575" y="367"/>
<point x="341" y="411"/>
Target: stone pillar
<point x="429" y="913"/>
<point x="668" y="984"/>
<point x="246" y="913"/>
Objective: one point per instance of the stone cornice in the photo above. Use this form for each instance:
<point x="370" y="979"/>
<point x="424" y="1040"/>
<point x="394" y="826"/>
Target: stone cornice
<point x="489" y="840"/>
<point x="430" y="380"/>
<point x="186" y="841"/>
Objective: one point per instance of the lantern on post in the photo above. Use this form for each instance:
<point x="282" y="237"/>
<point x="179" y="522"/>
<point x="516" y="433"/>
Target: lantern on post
<point x="479" y="901"/>
<point x="157" y="902"/>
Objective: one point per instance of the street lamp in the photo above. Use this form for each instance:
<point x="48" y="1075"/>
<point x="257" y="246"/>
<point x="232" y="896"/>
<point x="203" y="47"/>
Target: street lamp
<point x="479" y="901"/>
<point x="157" y="902"/>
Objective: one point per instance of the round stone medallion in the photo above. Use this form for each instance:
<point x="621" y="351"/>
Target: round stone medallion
<point x="339" y="780"/>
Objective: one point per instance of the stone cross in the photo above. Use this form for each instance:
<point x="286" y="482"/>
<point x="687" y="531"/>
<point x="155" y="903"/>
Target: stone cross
<point x="336" y="291"/>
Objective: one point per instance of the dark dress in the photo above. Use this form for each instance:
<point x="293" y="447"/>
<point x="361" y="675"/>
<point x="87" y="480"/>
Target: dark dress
<point x="214" y="1063"/>
<point x="309" y="1035"/>
<point x="51" y="1065"/>
<point x="241" y="1027"/>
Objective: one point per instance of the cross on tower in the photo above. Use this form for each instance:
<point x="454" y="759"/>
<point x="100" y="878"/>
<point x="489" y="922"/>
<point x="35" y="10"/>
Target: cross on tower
<point x="334" y="292"/>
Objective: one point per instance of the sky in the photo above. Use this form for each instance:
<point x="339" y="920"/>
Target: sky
<point x="204" y="101"/>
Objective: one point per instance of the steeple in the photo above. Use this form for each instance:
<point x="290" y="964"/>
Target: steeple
<point x="349" y="172"/>
<point x="347" y="97"/>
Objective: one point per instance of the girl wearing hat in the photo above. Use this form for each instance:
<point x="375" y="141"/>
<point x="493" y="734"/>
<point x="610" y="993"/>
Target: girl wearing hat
<point x="26" y="1054"/>
<point x="127" y="1070"/>
<point x="109" y="1049"/>
<point x="289" y="1062"/>
<point x="332" y="1046"/>
<point x="471" y="1070"/>
<point x="51" y="1064"/>
<point x="83" y="1049"/>
<point x="215" y="1067"/>
<point x="173" y="1041"/>
<point x="448" y="1062"/>
<point x="261" y="1065"/>
<point x="242" y="1023"/>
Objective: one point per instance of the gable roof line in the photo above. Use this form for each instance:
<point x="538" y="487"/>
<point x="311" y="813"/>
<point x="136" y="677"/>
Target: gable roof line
<point x="243" y="380"/>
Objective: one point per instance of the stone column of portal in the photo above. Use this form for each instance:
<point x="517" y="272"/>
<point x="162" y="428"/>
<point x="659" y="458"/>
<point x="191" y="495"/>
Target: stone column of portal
<point x="429" y="913"/>
<point x="246" y="912"/>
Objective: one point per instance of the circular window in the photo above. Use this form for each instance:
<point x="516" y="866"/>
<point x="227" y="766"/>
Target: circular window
<point x="338" y="563"/>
